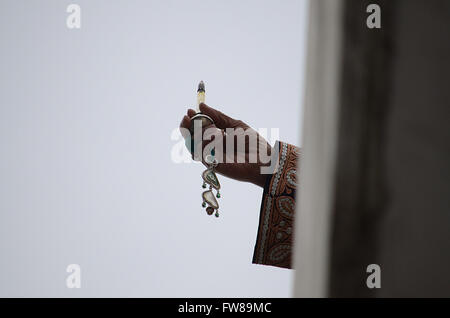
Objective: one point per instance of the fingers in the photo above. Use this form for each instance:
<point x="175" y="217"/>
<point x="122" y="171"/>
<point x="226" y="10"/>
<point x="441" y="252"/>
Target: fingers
<point x="221" y="120"/>
<point x="184" y="126"/>
<point x="186" y="121"/>
<point x="191" y="112"/>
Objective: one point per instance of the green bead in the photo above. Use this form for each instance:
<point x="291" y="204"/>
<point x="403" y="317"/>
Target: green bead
<point x="204" y="185"/>
<point x="203" y="204"/>
<point x="218" y="195"/>
<point x="217" y="214"/>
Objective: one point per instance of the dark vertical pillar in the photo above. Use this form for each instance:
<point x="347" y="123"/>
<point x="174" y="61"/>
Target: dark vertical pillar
<point x="414" y="235"/>
<point x="392" y="189"/>
<point x="360" y="191"/>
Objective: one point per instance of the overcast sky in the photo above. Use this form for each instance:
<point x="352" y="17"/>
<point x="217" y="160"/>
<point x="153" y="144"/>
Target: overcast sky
<point x="88" y="122"/>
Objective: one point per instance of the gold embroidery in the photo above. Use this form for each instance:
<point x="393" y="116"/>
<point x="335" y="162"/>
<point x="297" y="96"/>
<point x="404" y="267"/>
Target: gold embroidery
<point x="274" y="241"/>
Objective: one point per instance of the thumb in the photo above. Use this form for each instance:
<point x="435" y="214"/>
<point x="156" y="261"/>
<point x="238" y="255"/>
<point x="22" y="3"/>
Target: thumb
<point x="221" y="120"/>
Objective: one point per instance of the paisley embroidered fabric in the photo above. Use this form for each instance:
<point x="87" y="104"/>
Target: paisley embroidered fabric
<point x="274" y="240"/>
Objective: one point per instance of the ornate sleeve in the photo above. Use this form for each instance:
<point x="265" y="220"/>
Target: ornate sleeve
<point x="274" y="239"/>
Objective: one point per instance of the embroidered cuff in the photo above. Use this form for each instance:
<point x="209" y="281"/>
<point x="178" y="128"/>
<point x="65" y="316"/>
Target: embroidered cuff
<point x="274" y="240"/>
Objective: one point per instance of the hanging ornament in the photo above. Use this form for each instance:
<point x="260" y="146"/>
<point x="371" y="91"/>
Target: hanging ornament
<point x="209" y="175"/>
<point x="210" y="178"/>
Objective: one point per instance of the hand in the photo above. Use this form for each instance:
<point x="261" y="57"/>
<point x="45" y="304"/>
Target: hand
<point x="250" y="169"/>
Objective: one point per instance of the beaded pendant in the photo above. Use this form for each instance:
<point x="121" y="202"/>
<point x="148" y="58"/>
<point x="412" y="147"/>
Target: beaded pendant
<point x="209" y="175"/>
<point x="210" y="179"/>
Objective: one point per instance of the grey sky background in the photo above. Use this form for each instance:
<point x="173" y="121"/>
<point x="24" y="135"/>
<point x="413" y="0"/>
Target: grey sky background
<point x="86" y="124"/>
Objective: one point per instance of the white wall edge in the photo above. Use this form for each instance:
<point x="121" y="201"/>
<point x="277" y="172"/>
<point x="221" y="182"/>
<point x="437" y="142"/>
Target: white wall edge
<point x="316" y="173"/>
